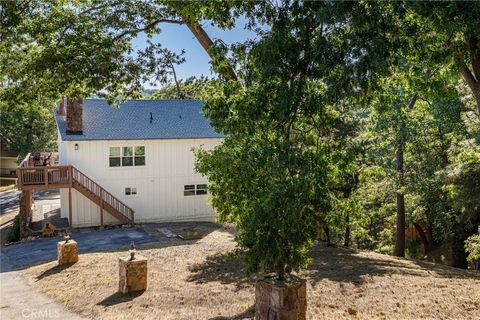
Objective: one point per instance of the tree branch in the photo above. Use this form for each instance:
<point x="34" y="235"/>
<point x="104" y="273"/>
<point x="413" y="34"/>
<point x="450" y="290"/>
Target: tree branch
<point x="147" y="27"/>
<point x="207" y="44"/>
<point x="472" y="42"/>
<point x="412" y="101"/>
<point x="179" y="91"/>
<point x="468" y="76"/>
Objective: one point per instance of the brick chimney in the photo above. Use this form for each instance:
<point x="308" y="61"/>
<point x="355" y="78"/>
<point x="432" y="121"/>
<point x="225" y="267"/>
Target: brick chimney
<point x="61" y="109"/>
<point x="74" y="116"/>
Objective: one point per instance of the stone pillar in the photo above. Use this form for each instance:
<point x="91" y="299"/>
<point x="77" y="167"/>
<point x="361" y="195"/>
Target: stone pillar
<point x="133" y="274"/>
<point x="67" y="252"/>
<point x="74" y="116"/>
<point x="281" y="300"/>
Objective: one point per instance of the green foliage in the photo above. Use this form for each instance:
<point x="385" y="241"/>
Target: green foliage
<point x="472" y="246"/>
<point x="14" y="234"/>
<point x="313" y="123"/>
<point x="191" y="88"/>
<point x="28" y="127"/>
<point x="271" y="175"/>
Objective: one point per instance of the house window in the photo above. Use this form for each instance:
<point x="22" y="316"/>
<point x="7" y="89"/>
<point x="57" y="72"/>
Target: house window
<point x="114" y="156"/>
<point x="201" y="189"/>
<point x="139" y="156"/>
<point x="127" y="156"/>
<point x="191" y="189"/>
<point x="130" y="191"/>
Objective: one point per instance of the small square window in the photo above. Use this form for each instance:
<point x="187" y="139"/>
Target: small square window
<point x="127" y="151"/>
<point x="130" y="191"/>
<point x="115" y="162"/>
<point x="189" y="190"/>
<point x="114" y="151"/>
<point x="140" y="161"/>
<point x="127" y="161"/>
<point x="201" y="189"/>
<point x="139" y="151"/>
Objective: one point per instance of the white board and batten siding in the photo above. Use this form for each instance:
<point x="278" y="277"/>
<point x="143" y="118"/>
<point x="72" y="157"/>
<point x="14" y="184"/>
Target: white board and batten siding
<point x="169" y="166"/>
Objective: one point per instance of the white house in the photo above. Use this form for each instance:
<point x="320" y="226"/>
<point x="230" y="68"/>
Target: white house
<point x="140" y="153"/>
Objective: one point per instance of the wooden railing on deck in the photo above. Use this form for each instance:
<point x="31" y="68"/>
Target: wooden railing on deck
<point x="32" y="177"/>
<point x="49" y="177"/>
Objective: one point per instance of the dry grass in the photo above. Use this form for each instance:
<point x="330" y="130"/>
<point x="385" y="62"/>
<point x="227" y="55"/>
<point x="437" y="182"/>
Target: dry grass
<point x="194" y="280"/>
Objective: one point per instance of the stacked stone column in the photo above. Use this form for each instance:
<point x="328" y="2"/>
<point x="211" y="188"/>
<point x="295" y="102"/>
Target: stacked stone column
<point x="132" y="274"/>
<point x="67" y="252"/>
<point x="281" y="300"/>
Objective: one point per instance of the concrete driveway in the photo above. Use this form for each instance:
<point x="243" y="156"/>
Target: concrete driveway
<point x="8" y="201"/>
<point x="19" y="301"/>
<point x="28" y="253"/>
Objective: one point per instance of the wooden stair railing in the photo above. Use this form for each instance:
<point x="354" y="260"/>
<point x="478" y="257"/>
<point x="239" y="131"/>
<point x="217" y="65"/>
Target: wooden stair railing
<point x="52" y="177"/>
<point x="104" y="199"/>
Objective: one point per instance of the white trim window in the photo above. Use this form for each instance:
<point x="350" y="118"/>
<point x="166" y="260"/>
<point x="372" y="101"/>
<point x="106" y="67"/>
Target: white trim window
<point x="127" y="156"/>
<point x="192" y="189"/>
<point x="129" y="191"/>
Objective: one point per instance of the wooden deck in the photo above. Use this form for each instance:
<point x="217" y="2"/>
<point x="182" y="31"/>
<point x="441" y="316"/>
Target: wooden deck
<point x="41" y="171"/>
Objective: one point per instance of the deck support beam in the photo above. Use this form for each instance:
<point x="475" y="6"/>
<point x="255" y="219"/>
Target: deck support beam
<point x="70" y="207"/>
<point x="101" y="208"/>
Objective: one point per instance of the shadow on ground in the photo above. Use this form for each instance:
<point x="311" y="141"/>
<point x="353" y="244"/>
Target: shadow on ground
<point x="118" y="297"/>
<point x="222" y="268"/>
<point x="54" y="270"/>
<point x="247" y="314"/>
<point x="335" y="264"/>
<point x="348" y="265"/>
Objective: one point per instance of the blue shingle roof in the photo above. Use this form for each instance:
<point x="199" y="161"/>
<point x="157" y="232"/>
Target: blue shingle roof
<point x="172" y="119"/>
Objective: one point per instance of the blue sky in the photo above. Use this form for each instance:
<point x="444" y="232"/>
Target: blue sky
<point x="178" y="37"/>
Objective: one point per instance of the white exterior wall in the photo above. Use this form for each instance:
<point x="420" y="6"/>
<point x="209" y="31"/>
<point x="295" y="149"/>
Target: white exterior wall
<point x="160" y="183"/>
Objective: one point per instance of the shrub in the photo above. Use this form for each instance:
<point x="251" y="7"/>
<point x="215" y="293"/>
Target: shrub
<point x="472" y="246"/>
<point x="14" y="234"/>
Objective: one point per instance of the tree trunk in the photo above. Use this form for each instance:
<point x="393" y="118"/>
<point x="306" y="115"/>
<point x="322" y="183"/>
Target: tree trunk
<point x="207" y="44"/>
<point x="401" y="141"/>
<point x="400" y="225"/>
<point x="326" y="229"/>
<point x="459" y="256"/>
<point x="25" y="203"/>
<point x="477" y="97"/>
<point x="472" y="77"/>
<point x="400" y="231"/>
<point x="347" y="230"/>
<point x="423" y="237"/>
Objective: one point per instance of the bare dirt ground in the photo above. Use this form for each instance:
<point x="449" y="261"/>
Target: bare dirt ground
<point x="195" y="280"/>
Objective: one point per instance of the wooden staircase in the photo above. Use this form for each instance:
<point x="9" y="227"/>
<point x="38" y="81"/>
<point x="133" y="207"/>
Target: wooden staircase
<point x="104" y="199"/>
<point x="32" y="177"/>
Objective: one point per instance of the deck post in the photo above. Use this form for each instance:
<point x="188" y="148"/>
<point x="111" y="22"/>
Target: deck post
<point x="70" y="175"/>
<point x="19" y="178"/>
<point x="45" y="175"/>
<point x="70" y="207"/>
<point x="101" y="208"/>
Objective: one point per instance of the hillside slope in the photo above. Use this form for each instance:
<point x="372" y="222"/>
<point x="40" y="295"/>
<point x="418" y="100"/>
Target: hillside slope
<point x="194" y="280"/>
